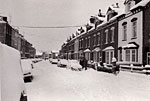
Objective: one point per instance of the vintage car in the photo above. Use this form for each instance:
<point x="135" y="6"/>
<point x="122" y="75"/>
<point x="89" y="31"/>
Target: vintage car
<point x="62" y="63"/>
<point x="11" y="79"/>
<point x="27" y="67"/>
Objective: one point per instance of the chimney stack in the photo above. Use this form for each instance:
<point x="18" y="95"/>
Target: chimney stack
<point x="4" y="19"/>
<point x="117" y="5"/>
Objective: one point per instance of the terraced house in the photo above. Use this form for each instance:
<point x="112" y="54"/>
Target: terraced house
<point x="133" y="37"/>
<point x="11" y="37"/>
<point x="123" y="34"/>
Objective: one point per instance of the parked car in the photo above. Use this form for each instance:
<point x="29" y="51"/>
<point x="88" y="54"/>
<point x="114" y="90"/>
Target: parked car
<point x="74" y="65"/>
<point x="36" y="60"/>
<point x="62" y="63"/>
<point x="92" y="64"/>
<point x="105" y="68"/>
<point x="11" y="79"/>
<point x="54" y="61"/>
<point x="146" y="69"/>
<point x="27" y="67"/>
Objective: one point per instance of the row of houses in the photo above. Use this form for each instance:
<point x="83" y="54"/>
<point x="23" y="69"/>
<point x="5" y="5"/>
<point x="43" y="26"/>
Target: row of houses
<point x="11" y="37"/>
<point x="120" y="33"/>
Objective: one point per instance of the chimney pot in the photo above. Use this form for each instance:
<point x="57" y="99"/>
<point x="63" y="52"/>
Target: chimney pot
<point x="117" y="5"/>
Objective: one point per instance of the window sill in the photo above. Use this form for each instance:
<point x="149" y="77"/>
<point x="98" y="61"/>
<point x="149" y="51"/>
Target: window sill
<point x="124" y="40"/>
<point x="133" y="38"/>
<point x="112" y="42"/>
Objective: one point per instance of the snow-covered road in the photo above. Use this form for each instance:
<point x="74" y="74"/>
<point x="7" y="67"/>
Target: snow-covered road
<point x="52" y="83"/>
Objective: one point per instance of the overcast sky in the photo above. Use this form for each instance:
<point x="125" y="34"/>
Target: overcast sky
<point x="51" y="13"/>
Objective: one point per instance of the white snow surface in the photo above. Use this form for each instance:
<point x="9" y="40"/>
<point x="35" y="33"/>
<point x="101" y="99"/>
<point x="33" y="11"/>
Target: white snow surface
<point x="52" y="83"/>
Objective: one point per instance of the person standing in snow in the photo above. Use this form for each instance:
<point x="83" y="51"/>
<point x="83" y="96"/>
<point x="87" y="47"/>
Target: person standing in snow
<point x="83" y="63"/>
<point x="116" y="68"/>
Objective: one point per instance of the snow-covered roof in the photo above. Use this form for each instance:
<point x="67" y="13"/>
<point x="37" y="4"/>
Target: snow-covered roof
<point x="87" y="50"/>
<point x="129" y="46"/>
<point x="65" y="42"/>
<point x="115" y="7"/>
<point x="113" y="18"/>
<point x="38" y="53"/>
<point x="91" y="29"/>
<point x="119" y="10"/>
<point x="101" y="18"/>
<point x="140" y="4"/>
<point x="76" y="36"/>
<point x="96" y="49"/>
<point x="2" y="21"/>
<point x="55" y="51"/>
<point x="104" y="22"/>
<point x="126" y="1"/>
<point x="108" y="48"/>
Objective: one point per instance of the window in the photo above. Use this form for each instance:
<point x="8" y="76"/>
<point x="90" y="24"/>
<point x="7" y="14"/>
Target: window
<point x="81" y="43"/>
<point x="107" y="57"/>
<point x="120" y="55"/>
<point x="106" y="36"/>
<point x="111" y="55"/>
<point x="134" y="29"/>
<point x="89" y="41"/>
<point x="98" y="40"/>
<point x="127" y="55"/>
<point x="112" y="34"/>
<point x="133" y="55"/>
<point x="124" y="36"/>
<point x="85" y="42"/>
<point x="94" y="39"/>
<point x="129" y="6"/>
<point x="100" y="58"/>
